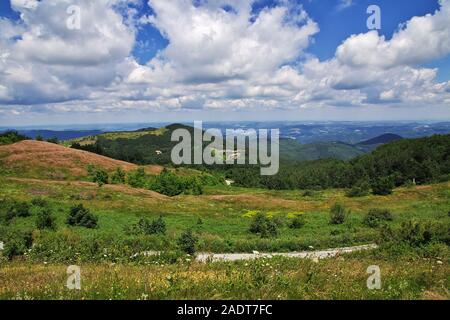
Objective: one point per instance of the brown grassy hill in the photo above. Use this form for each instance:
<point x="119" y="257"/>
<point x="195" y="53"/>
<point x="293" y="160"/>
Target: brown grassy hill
<point x="43" y="160"/>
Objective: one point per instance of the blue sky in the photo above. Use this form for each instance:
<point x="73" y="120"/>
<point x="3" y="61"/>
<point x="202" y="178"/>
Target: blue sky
<point x="336" y="25"/>
<point x="210" y="59"/>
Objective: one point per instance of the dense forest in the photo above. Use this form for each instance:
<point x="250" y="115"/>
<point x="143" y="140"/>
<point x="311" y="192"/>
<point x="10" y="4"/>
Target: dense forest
<point x="400" y="162"/>
<point x="405" y="161"/>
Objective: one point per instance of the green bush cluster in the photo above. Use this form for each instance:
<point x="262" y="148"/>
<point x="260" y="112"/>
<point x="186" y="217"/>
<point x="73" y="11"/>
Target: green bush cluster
<point x="375" y="217"/>
<point x="263" y="226"/>
<point x="118" y="176"/>
<point x="10" y="137"/>
<point x="383" y="186"/>
<point x="187" y="242"/>
<point x="10" y="209"/>
<point x="415" y="234"/>
<point x="82" y="217"/>
<point x="298" y="222"/>
<point x="145" y="227"/>
<point x="360" y="189"/>
<point x="16" y="242"/>
<point x="45" y="219"/>
<point x="167" y="183"/>
<point x="338" y="214"/>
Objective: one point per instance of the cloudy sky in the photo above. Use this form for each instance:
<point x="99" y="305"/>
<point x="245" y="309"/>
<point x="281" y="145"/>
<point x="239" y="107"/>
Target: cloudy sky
<point x="183" y="60"/>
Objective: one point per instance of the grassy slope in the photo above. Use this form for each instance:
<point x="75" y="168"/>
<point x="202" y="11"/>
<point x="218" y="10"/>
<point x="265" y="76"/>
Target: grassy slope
<point x="224" y="212"/>
<point x="225" y="215"/>
<point x="43" y="160"/>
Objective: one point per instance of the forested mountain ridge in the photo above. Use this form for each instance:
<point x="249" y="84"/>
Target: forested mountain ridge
<point x="153" y="146"/>
<point x="400" y="162"/>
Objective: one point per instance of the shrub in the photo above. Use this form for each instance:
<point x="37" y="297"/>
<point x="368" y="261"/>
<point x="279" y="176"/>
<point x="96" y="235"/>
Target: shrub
<point x="157" y="226"/>
<point x="118" y="177"/>
<point x="17" y="243"/>
<point x="10" y="209"/>
<point x="171" y="185"/>
<point x="187" y="242"/>
<point x="298" y="222"/>
<point x="192" y="185"/>
<point x="80" y="216"/>
<point x="382" y="186"/>
<point x="359" y="190"/>
<point x="9" y="137"/>
<point x="100" y="177"/>
<point x="39" y="202"/>
<point x="338" y="213"/>
<point x="137" y="178"/>
<point x="375" y="216"/>
<point x="21" y="209"/>
<point x="145" y="227"/>
<point x="264" y="226"/>
<point x="45" y="219"/>
<point x="415" y="233"/>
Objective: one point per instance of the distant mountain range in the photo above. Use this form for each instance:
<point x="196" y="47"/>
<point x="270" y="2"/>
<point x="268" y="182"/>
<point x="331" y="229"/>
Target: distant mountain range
<point x="304" y="132"/>
<point x="60" y="135"/>
<point x="384" y="138"/>
<point x="292" y="150"/>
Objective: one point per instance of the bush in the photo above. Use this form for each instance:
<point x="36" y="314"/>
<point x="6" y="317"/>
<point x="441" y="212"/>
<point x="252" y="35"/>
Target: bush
<point x="157" y="226"/>
<point x="338" y="213"/>
<point x="39" y="202"/>
<point x="118" y="177"/>
<point x="100" y="177"/>
<point x="264" y="226"/>
<point x="187" y="242"/>
<point x="45" y="219"/>
<point x="359" y="190"/>
<point x="137" y="178"/>
<point x="382" y="186"/>
<point x="10" y="209"/>
<point x="80" y="216"/>
<point x="10" y="137"/>
<point x="416" y="234"/>
<point x="375" y="216"/>
<point x="298" y="222"/>
<point x="145" y="227"/>
<point x="17" y="243"/>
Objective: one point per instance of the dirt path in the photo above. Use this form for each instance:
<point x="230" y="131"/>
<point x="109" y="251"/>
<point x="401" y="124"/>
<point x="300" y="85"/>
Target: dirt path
<point x="321" y="254"/>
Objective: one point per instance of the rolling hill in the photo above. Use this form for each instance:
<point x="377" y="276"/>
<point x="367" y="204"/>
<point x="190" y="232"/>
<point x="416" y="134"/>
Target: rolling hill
<point x="37" y="159"/>
<point x="384" y="138"/>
